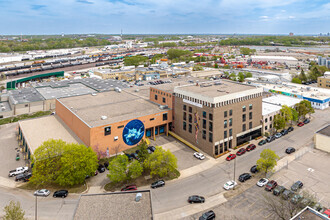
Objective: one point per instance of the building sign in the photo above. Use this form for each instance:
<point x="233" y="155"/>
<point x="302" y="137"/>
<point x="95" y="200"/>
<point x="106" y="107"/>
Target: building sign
<point x="193" y="103"/>
<point x="133" y="132"/>
<point x="286" y="93"/>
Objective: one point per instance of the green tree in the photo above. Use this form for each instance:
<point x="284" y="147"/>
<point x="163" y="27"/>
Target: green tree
<point x="296" y="80"/>
<point x="216" y="66"/>
<point x="246" y="50"/>
<point x="303" y="108"/>
<point x="248" y="75"/>
<point x="176" y="53"/>
<point x="134" y="170"/>
<point x="161" y="162"/>
<point x="143" y="151"/>
<point x="279" y="122"/>
<point x="240" y="77"/>
<point x="267" y="161"/>
<point x="135" y="60"/>
<point x="303" y="76"/>
<point x="286" y="113"/>
<point x="13" y="211"/>
<point x="294" y="115"/>
<point x="232" y="76"/>
<point x="56" y="161"/>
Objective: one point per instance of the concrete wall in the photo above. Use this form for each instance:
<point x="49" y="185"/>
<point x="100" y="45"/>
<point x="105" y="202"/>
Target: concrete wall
<point x="28" y="108"/>
<point x="322" y="142"/>
<point x="49" y="105"/>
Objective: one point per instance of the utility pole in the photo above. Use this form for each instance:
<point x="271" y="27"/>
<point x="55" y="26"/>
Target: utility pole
<point x="36" y="208"/>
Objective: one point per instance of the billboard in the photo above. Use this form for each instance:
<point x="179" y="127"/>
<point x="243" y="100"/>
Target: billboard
<point x="133" y="132"/>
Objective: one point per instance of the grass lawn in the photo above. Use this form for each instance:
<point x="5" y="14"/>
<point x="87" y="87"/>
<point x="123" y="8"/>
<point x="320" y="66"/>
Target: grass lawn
<point x="53" y="187"/>
<point x="22" y="117"/>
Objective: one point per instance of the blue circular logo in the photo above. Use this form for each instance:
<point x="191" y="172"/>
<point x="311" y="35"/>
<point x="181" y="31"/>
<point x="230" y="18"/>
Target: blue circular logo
<point x="133" y="132"/>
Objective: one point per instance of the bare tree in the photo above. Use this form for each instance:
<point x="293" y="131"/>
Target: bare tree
<point x="117" y="149"/>
<point x="100" y="154"/>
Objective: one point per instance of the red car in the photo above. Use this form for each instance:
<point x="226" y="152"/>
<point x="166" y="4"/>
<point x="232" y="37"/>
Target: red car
<point x="231" y="157"/>
<point x="251" y="147"/>
<point x="271" y="185"/>
<point x="129" y="188"/>
<point x="300" y="124"/>
<point x="240" y="152"/>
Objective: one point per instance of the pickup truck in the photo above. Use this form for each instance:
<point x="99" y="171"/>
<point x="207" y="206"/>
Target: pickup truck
<point x="18" y="170"/>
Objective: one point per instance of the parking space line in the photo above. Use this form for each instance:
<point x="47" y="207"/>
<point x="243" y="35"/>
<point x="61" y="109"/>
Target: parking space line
<point x="237" y="204"/>
<point x="252" y="204"/>
<point x="257" y="212"/>
<point x="267" y="217"/>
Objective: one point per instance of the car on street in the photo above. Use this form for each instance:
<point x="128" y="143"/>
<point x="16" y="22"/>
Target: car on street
<point x="22" y="176"/>
<point x="243" y="177"/>
<point x="271" y="185"/>
<point x="101" y="168"/>
<point x="199" y="155"/>
<point x="231" y="157"/>
<point x="270" y="139"/>
<point x="61" y="193"/>
<point x="42" y="192"/>
<point x="240" y="152"/>
<point x="287" y="194"/>
<point x="229" y="185"/>
<point x="278" y="190"/>
<point x="300" y="124"/>
<point x="151" y="149"/>
<point x="296" y="198"/>
<point x="254" y="169"/>
<point x="196" y="199"/>
<point x="284" y="132"/>
<point x="278" y="135"/>
<point x="157" y="184"/>
<point x="262" y="142"/>
<point x="297" y="185"/>
<point x="306" y="121"/>
<point x="262" y="182"/>
<point x="250" y="147"/>
<point x="129" y="188"/>
<point x="290" y="129"/>
<point x="290" y="150"/>
<point x="207" y="215"/>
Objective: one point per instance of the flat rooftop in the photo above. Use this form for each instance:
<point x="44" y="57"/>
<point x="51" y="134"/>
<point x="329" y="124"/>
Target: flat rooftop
<point x="283" y="58"/>
<point x="25" y="95"/>
<point x="5" y="107"/>
<point x="38" y="130"/>
<point x="119" y="205"/>
<point x="325" y="131"/>
<point x="309" y="214"/>
<point x="268" y="108"/>
<point x="281" y="100"/>
<point x="116" y="106"/>
<point x="169" y="87"/>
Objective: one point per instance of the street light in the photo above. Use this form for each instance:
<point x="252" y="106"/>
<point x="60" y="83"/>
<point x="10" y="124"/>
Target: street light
<point x="234" y="171"/>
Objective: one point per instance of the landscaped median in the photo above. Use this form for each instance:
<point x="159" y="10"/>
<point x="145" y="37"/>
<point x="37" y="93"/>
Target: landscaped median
<point x="22" y="117"/>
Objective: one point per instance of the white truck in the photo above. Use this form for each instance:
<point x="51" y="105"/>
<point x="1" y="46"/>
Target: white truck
<point x="18" y="170"/>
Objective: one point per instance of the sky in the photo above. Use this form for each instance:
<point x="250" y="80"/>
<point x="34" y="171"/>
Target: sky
<point x="29" y="17"/>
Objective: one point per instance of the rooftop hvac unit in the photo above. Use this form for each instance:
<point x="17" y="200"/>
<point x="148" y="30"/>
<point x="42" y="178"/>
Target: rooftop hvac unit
<point x="117" y="89"/>
<point x="103" y="117"/>
<point x="217" y="83"/>
<point x="136" y="90"/>
<point x="94" y="94"/>
<point x="163" y="106"/>
<point x="3" y="108"/>
<point x="206" y="85"/>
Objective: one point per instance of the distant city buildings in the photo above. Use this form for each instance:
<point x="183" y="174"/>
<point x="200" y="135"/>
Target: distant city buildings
<point x="323" y="61"/>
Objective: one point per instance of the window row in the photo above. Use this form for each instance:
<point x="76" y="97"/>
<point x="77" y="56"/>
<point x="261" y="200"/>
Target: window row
<point x="162" y="93"/>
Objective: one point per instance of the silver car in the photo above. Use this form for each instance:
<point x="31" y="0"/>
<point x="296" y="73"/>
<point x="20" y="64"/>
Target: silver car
<point x="42" y="192"/>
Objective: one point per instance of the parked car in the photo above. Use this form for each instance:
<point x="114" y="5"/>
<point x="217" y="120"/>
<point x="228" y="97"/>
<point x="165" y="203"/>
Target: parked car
<point x="229" y="185"/>
<point x="305" y="202"/>
<point x="297" y="185"/>
<point x="262" y="182"/>
<point x="243" y="177"/>
<point x="22" y="176"/>
<point x="42" y="192"/>
<point x="327" y="213"/>
<point x="17" y="171"/>
<point x="61" y="193"/>
<point x="196" y="199"/>
<point x="129" y="188"/>
<point x="207" y="215"/>
<point x="290" y="129"/>
<point x="290" y="150"/>
<point x="278" y="135"/>
<point x="106" y="165"/>
<point x="278" y="190"/>
<point x="306" y="121"/>
<point x="231" y="157"/>
<point x="129" y="156"/>
<point x="151" y="148"/>
<point x="296" y="198"/>
<point x="157" y="184"/>
<point x="287" y="194"/>
<point x="101" y="168"/>
<point x="135" y="156"/>
<point x="240" y="152"/>
<point x="271" y="185"/>
<point x="262" y="142"/>
<point x="300" y="124"/>
<point x="284" y="132"/>
<point x="254" y="169"/>
<point x="270" y="139"/>
<point x="27" y="177"/>
<point x="199" y="155"/>
<point x="250" y="147"/>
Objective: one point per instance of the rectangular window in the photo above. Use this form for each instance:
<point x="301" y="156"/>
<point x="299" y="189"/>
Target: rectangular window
<point x="26" y="105"/>
<point x="190" y="118"/>
<point x="250" y="115"/>
<point x="190" y="109"/>
<point x="156" y="97"/>
<point x="204" y="114"/>
<point x="250" y="124"/>
<point x="225" y="113"/>
<point x="184" y="107"/>
<point x="230" y="132"/>
<point x="204" y="123"/>
<point x="271" y="118"/>
<point x="204" y="134"/>
<point x="210" y="137"/>
<point x="184" y="116"/>
<point x="210" y="126"/>
<point x="230" y="122"/>
<point x="266" y="128"/>
<point x="250" y="107"/>
<point x="107" y="131"/>
<point x="244" y="117"/>
<point x="221" y="148"/>
<point x="225" y="124"/>
<point x="121" y="126"/>
<point x="244" y="108"/>
<point x="164" y="100"/>
<point x="151" y="119"/>
<point x="210" y="116"/>
<point x="244" y="127"/>
<point x="266" y="120"/>
<point x="184" y="125"/>
<point x="225" y="134"/>
<point x="216" y="151"/>
<point x="164" y="116"/>
<point x="190" y="128"/>
<point x="230" y="112"/>
<point x="270" y="126"/>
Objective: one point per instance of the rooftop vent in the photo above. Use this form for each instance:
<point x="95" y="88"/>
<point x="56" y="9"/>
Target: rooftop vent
<point x="103" y="117"/>
<point x="163" y="107"/>
<point x="136" y="90"/>
<point x="217" y="83"/>
<point x="94" y="94"/>
<point x="138" y="197"/>
<point x="117" y="89"/>
<point x="206" y="85"/>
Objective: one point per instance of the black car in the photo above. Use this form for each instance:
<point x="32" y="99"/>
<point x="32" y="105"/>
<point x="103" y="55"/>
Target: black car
<point x="151" y="148"/>
<point x="101" y="168"/>
<point x="129" y="156"/>
<point x="243" y="177"/>
<point x="297" y="185"/>
<point x="262" y="142"/>
<point x="157" y="184"/>
<point x="135" y="156"/>
<point x="287" y="194"/>
<point x="290" y="150"/>
<point x="106" y="165"/>
<point x="207" y="215"/>
<point x="278" y="190"/>
<point x="306" y="121"/>
<point x="254" y="169"/>
<point x="290" y="129"/>
<point x="22" y="176"/>
<point x="27" y="177"/>
<point x="284" y="132"/>
<point x="61" y="193"/>
<point x="270" y="139"/>
<point x="196" y="199"/>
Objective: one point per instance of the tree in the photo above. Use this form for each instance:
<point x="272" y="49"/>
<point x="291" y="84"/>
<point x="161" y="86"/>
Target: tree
<point x="267" y="161"/>
<point x="286" y="113"/>
<point x="135" y="60"/>
<point x="303" y="76"/>
<point x="240" y="77"/>
<point x="296" y="80"/>
<point x="143" y="151"/>
<point x="294" y="115"/>
<point x="232" y="76"/>
<point x="216" y="66"/>
<point x="13" y="211"/>
<point x="279" y="122"/>
<point x="246" y="51"/>
<point x="248" y="75"/>
<point x="161" y="162"/>
<point x="66" y="164"/>
<point x="176" y="53"/>
<point x="303" y="108"/>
